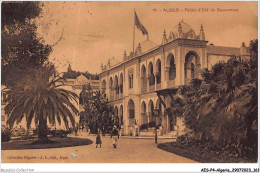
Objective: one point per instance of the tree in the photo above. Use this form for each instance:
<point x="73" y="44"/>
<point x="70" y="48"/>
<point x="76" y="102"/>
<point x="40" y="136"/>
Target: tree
<point x="19" y="12"/>
<point x="74" y="74"/>
<point x="221" y="109"/>
<point x="254" y="48"/>
<point x="41" y="98"/>
<point x="90" y="75"/>
<point x="21" y="48"/>
<point x="98" y="113"/>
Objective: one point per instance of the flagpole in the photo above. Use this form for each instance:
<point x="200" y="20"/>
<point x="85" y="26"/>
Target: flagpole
<point x="134" y="35"/>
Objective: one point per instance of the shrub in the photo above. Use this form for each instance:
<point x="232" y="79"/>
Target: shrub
<point x="221" y="109"/>
<point x="60" y="133"/>
<point x="19" y="131"/>
<point x="35" y="131"/>
<point x="187" y="139"/>
<point x="144" y="126"/>
<point x="151" y="124"/>
<point x="5" y="134"/>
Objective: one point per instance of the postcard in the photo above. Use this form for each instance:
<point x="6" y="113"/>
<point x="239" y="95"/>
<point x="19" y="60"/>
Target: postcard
<point x="130" y="82"/>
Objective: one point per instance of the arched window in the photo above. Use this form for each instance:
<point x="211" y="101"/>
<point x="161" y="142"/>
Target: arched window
<point x="121" y="83"/>
<point x="143" y="79"/>
<point x="192" y="66"/>
<point x="131" y="80"/>
<point x="144" y="117"/>
<point x="151" y="113"/>
<point x="111" y="89"/>
<point x="151" y="74"/>
<point x="172" y="69"/>
<point x="192" y="71"/>
<point x="132" y="76"/>
<point x="116" y="118"/>
<point x="158" y="71"/>
<point x="121" y="120"/>
<point x="116" y="85"/>
<point x="131" y="112"/>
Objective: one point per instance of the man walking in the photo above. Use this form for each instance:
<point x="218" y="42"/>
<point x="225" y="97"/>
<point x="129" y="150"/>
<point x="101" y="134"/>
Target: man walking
<point x="114" y="136"/>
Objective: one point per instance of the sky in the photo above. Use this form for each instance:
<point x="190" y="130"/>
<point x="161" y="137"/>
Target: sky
<point x="86" y="34"/>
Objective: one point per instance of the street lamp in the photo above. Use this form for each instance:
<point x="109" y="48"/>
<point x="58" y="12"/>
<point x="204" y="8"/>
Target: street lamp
<point x="156" y="113"/>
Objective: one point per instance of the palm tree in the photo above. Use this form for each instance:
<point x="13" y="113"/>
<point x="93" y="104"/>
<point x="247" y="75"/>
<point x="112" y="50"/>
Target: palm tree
<point x="223" y="106"/>
<point x="221" y="109"/>
<point x="40" y="98"/>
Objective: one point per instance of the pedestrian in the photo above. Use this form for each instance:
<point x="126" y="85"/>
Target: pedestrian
<point x="114" y="136"/>
<point x="98" y="140"/>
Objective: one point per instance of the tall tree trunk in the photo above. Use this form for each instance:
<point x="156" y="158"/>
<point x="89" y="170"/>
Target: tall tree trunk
<point x="42" y="136"/>
<point x="28" y="124"/>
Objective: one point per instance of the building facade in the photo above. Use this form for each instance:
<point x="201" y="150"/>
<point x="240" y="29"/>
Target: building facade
<point x="131" y="85"/>
<point x="76" y="85"/>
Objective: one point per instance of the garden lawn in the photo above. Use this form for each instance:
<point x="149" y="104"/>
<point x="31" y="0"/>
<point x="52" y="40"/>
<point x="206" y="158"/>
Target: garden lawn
<point x="203" y="155"/>
<point x="53" y="142"/>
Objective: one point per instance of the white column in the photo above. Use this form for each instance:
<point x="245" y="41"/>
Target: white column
<point x="180" y="75"/>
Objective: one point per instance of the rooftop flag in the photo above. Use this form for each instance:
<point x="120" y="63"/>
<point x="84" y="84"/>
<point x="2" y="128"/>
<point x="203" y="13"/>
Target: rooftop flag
<point x="139" y="25"/>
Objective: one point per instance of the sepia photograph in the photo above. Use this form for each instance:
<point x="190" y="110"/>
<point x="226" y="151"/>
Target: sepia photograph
<point x="129" y="82"/>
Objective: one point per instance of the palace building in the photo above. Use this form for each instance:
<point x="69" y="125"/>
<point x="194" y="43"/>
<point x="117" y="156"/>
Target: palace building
<point x="131" y="86"/>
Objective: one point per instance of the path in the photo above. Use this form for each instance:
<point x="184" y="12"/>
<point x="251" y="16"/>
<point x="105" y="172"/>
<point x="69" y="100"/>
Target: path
<point x="128" y="151"/>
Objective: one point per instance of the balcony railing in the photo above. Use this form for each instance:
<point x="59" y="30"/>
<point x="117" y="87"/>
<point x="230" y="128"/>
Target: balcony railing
<point x="151" y="88"/>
